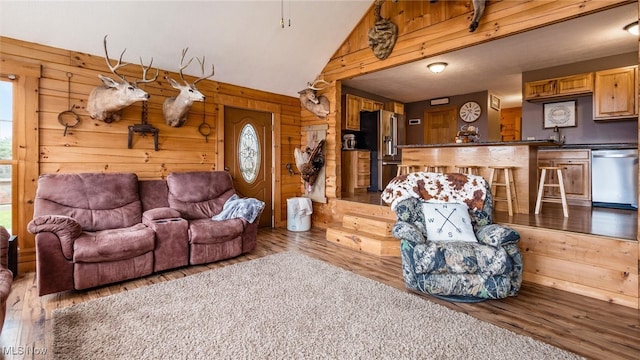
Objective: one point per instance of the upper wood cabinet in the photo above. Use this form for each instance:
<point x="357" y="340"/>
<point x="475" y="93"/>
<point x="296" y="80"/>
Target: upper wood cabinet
<point x="559" y="87"/>
<point x="352" y="107"/>
<point x="370" y="105"/>
<point x="351" y="113"/>
<point x="394" y="106"/>
<point x="615" y="93"/>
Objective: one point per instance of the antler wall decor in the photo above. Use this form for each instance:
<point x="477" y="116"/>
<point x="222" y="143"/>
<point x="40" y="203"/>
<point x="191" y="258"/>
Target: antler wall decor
<point x="318" y="105"/>
<point x="175" y="109"/>
<point x="105" y="102"/>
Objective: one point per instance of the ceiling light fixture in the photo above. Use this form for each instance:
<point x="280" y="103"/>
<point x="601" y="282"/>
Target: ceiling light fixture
<point x="437" y="67"/>
<point x="632" y="28"/>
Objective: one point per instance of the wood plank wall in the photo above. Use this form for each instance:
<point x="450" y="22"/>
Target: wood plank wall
<point x="95" y="146"/>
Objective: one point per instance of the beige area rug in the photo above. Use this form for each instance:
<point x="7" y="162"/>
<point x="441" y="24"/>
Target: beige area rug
<point x="283" y="306"/>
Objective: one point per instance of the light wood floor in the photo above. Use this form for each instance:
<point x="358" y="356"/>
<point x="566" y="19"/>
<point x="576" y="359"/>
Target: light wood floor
<point x="589" y="327"/>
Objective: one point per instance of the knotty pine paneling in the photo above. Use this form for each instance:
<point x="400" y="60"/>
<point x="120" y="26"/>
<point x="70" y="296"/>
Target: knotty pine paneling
<point x="443" y="27"/>
<point x="590" y="265"/>
<point x="94" y="146"/>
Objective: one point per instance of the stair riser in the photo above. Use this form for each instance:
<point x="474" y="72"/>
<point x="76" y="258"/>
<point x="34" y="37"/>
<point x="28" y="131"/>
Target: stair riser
<point x="353" y="240"/>
<point x="377" y="226"/>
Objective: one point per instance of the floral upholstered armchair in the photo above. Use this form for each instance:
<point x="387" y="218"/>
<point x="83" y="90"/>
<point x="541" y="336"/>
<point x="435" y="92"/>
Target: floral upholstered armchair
<point x="449" y="246"/>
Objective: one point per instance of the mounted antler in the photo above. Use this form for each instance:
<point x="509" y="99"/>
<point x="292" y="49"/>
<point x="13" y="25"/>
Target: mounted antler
<point x="175" y="109"/>
<point x="318" y="105"/>
<point x="105" y="102"/>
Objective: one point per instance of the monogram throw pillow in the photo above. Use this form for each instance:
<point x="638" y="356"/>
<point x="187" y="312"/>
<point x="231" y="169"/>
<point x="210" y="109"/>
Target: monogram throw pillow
<point x="448" y="222"/>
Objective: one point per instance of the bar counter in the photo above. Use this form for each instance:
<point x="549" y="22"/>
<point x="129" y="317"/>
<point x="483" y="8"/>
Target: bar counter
<point x="521" y="155"/>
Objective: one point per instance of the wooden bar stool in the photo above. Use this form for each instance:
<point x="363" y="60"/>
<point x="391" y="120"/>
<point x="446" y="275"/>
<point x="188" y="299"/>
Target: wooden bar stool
<point x="559" y="184"/>
<point x="468" y="169"/>
<point x="509" y="184"/>
<point x="435" y="168"/>
<point x="405" y="169"/>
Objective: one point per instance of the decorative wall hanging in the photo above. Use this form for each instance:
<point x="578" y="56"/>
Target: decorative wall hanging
<point x="478" y="11"/>
<point x="318" y="105"/>
<point x="69" y="118"/>
<point x="143" y="128"/>
<point x="560" y="114"/>
<point x="204" y="129"/>
<point x="176" y="108"/>
<point x="106" y="102"/>
<point x="495" y="102"/>
<point x="383" y="34"/>
<point x="310" y="162"/>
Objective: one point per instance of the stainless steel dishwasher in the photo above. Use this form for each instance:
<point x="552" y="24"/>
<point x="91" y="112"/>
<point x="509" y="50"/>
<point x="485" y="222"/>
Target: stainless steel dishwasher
<point x="614" y="178"/>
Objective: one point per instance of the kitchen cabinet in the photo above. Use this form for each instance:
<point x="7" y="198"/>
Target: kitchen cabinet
<point x="615" y="93"/>
<point x="351" y="114"/>
<point x="370" y="105"/>
<point x="352" y="107"/>
<point x="560" y="87"/>
<point x="576" y="173"/>
<point x="395" y="107"/>
<point x="356" y="170"/>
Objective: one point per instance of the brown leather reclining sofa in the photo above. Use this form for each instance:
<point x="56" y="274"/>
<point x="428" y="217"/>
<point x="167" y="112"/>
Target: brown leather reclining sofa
<point x="94" y="229"/>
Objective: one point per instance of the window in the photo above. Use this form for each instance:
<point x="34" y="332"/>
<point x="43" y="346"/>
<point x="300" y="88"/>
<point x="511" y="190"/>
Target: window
<point x="249" y="153"/>
<point x="6" y="152"/>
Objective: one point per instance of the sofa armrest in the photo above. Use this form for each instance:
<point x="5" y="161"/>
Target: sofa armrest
<point x="406" y="231"/>
<point x="158" y="214"/>
<point x="66" y="228"/>
<point x="497" y="235"/>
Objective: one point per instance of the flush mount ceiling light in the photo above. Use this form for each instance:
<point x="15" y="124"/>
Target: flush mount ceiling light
<point x="632" y="28"/>
<point x="437" y="67"/>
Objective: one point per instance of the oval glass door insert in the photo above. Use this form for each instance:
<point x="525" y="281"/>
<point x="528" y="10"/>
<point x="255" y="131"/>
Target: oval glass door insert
<point x="249" y="153"/>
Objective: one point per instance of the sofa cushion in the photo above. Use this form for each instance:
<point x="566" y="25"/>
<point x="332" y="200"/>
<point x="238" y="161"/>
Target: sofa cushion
<point x="207" y="231"/>
<point x="460" y="258"/>
<point x="160" y="213"/>
<point x="199" y="194"/>
<point x="97" y="201"/>
<point x="448" y="222"/>
<point x="114" y="244"/>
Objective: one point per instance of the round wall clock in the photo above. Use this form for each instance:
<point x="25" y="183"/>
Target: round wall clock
<point x="470" y="111"/>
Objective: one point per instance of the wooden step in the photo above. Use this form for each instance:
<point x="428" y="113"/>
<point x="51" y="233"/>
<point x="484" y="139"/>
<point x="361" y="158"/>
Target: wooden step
<point x="369" y="243"/>
<point x="343" y="207"/>
<point x="369" y="224"/>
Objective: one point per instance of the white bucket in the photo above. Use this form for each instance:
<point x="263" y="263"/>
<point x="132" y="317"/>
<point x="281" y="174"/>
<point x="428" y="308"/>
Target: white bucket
<point x="299" y="211"/>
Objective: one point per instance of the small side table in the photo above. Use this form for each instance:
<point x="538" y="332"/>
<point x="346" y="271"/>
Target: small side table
<point x="13" y="255"/>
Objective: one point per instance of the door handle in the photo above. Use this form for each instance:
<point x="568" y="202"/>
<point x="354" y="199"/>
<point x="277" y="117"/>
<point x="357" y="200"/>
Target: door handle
<point x="226" y="169"/>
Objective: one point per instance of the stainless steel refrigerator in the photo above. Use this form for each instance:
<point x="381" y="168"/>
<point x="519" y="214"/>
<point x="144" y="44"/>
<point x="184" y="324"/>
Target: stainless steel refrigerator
<point x="383" y="131"/>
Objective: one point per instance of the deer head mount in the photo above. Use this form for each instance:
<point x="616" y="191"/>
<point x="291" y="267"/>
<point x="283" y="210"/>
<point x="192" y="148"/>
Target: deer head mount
<point x="318" y="105"/>
<point x="106" y="101"/>
<point x="175" y="109"/>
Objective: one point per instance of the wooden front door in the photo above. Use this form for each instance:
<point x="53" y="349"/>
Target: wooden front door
<point x="441" y="125"/>
<point x="247" y="156"/>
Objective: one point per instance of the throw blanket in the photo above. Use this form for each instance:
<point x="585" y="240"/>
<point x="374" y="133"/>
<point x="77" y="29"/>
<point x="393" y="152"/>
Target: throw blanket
<point x="235" y="207"/>
<point x="436" y="187"/>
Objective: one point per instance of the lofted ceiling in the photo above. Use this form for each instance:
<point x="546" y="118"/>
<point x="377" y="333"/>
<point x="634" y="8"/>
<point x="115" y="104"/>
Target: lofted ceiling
<point x="248" y="46"/>
<point x="243" y="39"/>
